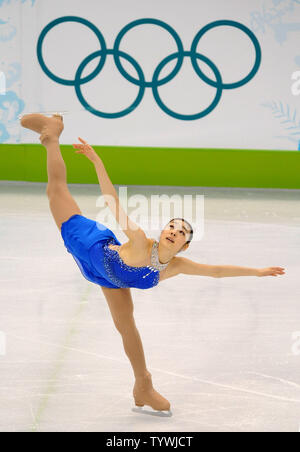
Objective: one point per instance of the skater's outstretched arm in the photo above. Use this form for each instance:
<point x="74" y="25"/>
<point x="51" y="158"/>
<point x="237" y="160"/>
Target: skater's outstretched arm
<point x="189" y="267"/>
<point x="131" y="229"/>
<point x="230" y="270"/>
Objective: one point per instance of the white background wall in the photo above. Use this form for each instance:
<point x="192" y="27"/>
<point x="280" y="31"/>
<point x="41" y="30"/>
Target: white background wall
<point x="240" y="120"/>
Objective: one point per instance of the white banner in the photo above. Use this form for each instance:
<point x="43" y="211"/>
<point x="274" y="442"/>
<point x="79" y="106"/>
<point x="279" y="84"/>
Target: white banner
<point x="160" y="73"/>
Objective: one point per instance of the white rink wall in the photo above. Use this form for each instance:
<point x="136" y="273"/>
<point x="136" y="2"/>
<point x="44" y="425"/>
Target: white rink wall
<point x="261" y="114"/>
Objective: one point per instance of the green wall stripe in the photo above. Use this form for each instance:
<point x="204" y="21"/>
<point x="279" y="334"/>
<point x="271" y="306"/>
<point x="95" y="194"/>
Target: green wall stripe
<point x="160" y="166"/>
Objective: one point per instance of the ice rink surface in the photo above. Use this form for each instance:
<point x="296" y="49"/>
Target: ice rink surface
<point x="224" y="351"/>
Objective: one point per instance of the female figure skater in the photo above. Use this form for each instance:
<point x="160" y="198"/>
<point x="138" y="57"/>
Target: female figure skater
<point x="141" y="262"/>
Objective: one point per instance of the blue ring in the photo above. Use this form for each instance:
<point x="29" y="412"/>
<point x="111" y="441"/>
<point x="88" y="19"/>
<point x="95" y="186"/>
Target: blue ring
<point x="122" y="113"/>
<point x="159" y="23"/>
<point x="141" y="82"/>
<point x="248" y="32"/>
<point x="60" y="21"/>
<point x="197" y="115"/>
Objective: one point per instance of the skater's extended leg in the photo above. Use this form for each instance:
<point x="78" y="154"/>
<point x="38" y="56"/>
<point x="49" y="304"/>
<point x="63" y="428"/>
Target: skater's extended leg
<point x="121" y="307"/>
<point x="62" y="204"/>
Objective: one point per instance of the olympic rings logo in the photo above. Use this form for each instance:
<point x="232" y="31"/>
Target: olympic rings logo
<point x="156" y="81"/>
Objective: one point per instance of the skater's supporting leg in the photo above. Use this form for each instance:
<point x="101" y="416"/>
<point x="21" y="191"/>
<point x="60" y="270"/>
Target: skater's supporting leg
<point x="121" y="308"/>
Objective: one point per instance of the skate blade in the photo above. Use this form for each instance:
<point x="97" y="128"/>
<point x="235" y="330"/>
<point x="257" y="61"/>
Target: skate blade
<point x="60" y="113"/>
<point x="151" y="412"/>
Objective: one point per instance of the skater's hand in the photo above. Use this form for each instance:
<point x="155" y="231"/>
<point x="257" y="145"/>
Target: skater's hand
<point x="271" y="271"/>
<point x="87" y="150"/>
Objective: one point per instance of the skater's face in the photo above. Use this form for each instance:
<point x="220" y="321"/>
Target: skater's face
<point x="175" y="235"/>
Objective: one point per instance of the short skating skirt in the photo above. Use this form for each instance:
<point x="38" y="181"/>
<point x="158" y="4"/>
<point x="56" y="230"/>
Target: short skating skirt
<point x="80" y="234"/>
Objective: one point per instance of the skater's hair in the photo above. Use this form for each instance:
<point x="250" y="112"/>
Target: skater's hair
<point x="191" y="232"/>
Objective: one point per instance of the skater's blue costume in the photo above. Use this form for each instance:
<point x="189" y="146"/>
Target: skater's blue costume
<point x="88" y="241"/>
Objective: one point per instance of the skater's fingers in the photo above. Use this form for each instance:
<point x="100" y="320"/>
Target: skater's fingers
<point x="82" y="141"/>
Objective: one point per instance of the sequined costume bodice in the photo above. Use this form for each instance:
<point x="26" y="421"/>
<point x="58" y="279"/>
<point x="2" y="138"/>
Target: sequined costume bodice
<point x="88" y="241"/>
<point x="123" y="275"/>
